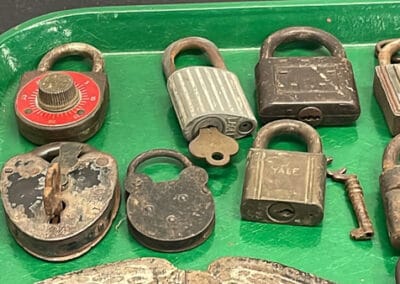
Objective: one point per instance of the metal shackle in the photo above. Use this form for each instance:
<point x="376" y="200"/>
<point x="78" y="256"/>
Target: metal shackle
<point x="291" y="127"/>
<point x="155" y="153"/>
<point x="386" y="53"/>
<point x="391" y="154"/>
<point x="73" y="48"/>
<point x="51" y="150"/>
<point x="381" y="44"/>
<point x="302" y="34"/>
<point x="188" y="43"/>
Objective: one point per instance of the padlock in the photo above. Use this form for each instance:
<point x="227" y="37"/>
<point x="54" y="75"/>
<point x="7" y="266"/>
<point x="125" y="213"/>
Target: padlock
<point x="317" y="90"/>
<point x="55" y="106"/>
<point x="169" y="216"/>
<point x="60" y="199"/>
<point x="207" y="97"/>
<point x="390" y="189"/>
<point x="387" y="86"/>
<point x="286" y="187"/>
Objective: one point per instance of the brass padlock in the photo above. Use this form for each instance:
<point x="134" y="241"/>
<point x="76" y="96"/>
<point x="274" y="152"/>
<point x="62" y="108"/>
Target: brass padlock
<point x="317" y="90"/>
<point x="209" y="102"/>
<point x="55" y="106"/>
<point x="390" y="189"/>
<point x="387" y="86"/>
<point x="286" y="187"/>
<point x="60" y="199"/>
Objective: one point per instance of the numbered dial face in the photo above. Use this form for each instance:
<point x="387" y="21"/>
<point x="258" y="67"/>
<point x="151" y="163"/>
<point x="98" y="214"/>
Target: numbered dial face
<point x="29" y="107"/>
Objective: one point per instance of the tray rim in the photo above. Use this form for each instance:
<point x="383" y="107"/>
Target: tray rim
<point x="151" y="8"/>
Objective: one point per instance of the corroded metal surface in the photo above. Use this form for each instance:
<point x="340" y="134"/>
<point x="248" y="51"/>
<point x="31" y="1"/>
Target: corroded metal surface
<point x="212" y="145"/>
<point x="286" y="187"/>
<point x="390" y="190"/>
<point x="365" y="230"/>
<point x="60" y="199"/>
<point x="156" y="270"/>
<point x="387" y="86"/>
<point x="172" y="215"/>
<point x="318" y="90"/>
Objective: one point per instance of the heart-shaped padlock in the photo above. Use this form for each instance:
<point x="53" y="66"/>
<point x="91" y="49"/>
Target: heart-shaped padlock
<point x="60" y="199"/>
<point x="169" y="216"/>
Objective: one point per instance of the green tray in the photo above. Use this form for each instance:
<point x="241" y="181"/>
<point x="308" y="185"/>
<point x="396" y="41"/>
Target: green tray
<point x="140" y="117"/>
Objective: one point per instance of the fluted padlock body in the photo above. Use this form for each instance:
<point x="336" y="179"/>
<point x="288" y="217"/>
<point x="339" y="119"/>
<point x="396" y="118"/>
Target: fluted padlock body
<point x="207" y="96"/>
<point x="387" y="93"/>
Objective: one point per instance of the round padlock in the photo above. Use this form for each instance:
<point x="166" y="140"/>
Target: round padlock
<point x="62" y="105"/>
<point x="60" y="199"/>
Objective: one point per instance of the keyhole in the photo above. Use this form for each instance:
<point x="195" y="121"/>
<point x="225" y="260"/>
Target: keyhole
<point x="310" y="115"/>
<point x="281" y="212"/>
<point x="57" y="219"/>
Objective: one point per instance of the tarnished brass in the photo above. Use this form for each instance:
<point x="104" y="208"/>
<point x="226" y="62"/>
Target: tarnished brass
<point x="285" y="187"/>
<point x="365" y="230"/>
<point x="60" y="199"/>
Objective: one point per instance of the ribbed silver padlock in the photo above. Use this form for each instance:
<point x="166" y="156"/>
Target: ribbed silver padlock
<point x="206" y="96"/>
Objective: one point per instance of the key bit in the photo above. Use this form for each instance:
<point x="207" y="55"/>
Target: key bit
<point x="365" y="230"/>
<point x="214" y="146"/>
<point x="51" y="194"/>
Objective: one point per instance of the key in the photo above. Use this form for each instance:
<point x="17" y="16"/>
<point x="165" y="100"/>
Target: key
<point x="365" y="230"/>
<point x="214" y="146"/>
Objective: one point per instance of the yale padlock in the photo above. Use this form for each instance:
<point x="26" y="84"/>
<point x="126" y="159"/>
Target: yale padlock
<point x="209" y="102"/>
<point x="169" y="216"/>
<point x="390" y="190"/>
<point x="316" y="90"/>
<point x="387" y="86"/>
<point x="60" y="199"/>
<point x="286" y="187"/>
<point x="55" y="106"/>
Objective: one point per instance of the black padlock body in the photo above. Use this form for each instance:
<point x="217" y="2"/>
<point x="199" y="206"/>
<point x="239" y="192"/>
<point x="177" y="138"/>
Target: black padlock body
<point x="79" y="131"/>
<point x="316" y="90"/>
<point x="170" y="216"/>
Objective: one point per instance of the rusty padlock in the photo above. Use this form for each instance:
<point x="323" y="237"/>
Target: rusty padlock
<point x="390" y="189"/>
<point x="209" y="102"/>
<point x="286" y="187"/>
<point x="60" y="199"/>
<point x="317" y="90"/>
<point x="55" y="106"/>
<point x="169" y="216"/>
<point x="387" y="86"/>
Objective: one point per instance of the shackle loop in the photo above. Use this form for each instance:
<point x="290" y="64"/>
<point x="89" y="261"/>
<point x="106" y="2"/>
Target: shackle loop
<point x="302" y="34"/>
<point x="188" y="43"/>
<point x="52" y="150"/>
<point x="391" y="154"/>
<point x="74" y="48"/>
<point x="386" y="53"/>
<point x="158" y="153"/>
<point x="291" y="127"/>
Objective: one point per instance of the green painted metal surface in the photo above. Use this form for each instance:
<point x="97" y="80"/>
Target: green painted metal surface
<point x="140" y="117"/>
